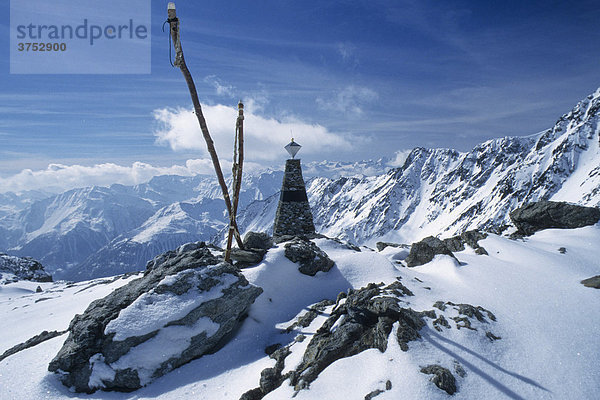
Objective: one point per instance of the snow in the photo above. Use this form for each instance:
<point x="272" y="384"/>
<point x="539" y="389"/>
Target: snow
<point x="547" y="321"/>
<point x="170" y="341"/>
<point x="154" y="309"/>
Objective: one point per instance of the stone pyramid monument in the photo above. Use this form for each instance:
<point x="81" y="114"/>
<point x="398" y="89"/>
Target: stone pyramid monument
<point x="293" y="215"/>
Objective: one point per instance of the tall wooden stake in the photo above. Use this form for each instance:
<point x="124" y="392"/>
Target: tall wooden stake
<point x="180" y="62"/>
<point x="238" y="163"/>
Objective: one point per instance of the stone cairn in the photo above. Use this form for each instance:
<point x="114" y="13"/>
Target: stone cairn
<point x="293" y="216"/>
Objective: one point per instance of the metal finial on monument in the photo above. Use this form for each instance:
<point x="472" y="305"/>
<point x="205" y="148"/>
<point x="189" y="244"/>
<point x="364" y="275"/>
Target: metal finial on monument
<point x="292" y="148"/>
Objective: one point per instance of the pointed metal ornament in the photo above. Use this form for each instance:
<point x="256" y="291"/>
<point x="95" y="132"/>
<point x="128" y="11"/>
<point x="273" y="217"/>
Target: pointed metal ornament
<point x="292" y="148"/>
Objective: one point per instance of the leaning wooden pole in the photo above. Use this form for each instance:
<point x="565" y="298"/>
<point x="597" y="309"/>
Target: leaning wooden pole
<point x="238" y="164"/>
<point x="180" y="63"/>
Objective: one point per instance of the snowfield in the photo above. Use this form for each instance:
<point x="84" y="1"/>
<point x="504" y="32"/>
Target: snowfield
<point x="547" y="321"/>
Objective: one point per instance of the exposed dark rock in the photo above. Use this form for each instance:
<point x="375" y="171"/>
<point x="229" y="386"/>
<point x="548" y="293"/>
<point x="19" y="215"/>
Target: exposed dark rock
<point x="423" y="252"/>
<point x="310" y="257"/>
<point x="247" y="258"/>
<point x="481" y="251"/>
<point x="593" y="282"/>
<point x="34" y="341"/>
<point x="374" y="394"/>
<point x="363" y="322"/>
<point x="272" y="348"/>
<point x="38" y="289"/>
<point x="491" y="336"/>
<point x="257" y="240"/>
<point x="377" y="392"/>
<point x="382" y="245"/>
<point x="254" y="394"/>
<point x="541" y="215"/>
<point x="270" y="379"/>
<point x="471" y="238"/>
<point x="440" y="305"/>
<point x="24" y="268"/>
<point x="442" y="378"/>
<point x="95" y="355"/>
<point x="307" y="318"/>
<point x="562" y="250"/>
<point x="439" y="322"/>
<point x="473" y="312"/>
<point x="398" y="289"/>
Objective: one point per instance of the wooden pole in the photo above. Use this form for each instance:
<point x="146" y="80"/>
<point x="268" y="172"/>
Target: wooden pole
<point x="238" y="164"/>
<point x="180" y="62"/>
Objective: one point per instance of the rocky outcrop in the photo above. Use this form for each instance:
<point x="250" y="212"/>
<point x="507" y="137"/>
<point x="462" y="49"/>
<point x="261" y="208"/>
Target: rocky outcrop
<point x="187" y="304"/>
<point x="442" y="378"/>
<point x="363" y="321"/>
<point x="593" y="282"/>
<point x="23" y="268"/>
<point x="310" y="257"/>
<point x="360" y="320"/>
<point x="541" y="215"/>
<point x="423" y="252"/>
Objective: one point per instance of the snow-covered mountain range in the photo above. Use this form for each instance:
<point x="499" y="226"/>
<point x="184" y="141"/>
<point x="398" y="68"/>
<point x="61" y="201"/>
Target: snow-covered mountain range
<point x="99" y="231"/>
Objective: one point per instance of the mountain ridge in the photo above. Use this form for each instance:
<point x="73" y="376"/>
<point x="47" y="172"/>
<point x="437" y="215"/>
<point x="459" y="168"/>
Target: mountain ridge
<point x="435" y="192"/>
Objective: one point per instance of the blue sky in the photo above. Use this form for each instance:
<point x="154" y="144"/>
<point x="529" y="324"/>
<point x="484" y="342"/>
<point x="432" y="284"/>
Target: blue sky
<point x="352" y="80"/>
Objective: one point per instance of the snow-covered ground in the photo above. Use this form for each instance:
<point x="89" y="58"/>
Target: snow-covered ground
<point x="548" y="323"/>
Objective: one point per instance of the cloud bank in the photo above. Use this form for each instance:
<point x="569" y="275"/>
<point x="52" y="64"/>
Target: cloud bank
<point x="264" y="137"/>
<point x="58" y="178"/>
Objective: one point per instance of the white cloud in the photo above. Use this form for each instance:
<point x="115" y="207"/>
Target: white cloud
<point x="58" y="178"/>
<point x="399" y="158"/>
<point x="351" y="99"/>
<point x="221" y="88"/>
<point x="264" y="137"/>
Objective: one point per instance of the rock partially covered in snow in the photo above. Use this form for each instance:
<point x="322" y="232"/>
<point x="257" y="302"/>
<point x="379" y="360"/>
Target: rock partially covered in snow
<point x="423" y="252"/>
<point x="534" y="217"/>
<point x="23" y="268"/>
<point x="363" y="321"/>
<point x="471" y="238"/>
<point x="184" y="306"/>
<point x="310" y="257"/>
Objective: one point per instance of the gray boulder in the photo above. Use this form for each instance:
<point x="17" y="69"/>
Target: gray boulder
<point x="186" y="305"/>
<point x="257" y="240"/>
<point x="423" y="252"/>
<point x="24" y="268"/>
<point x="541" y="215"/>
<point x="310" y="257"/>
